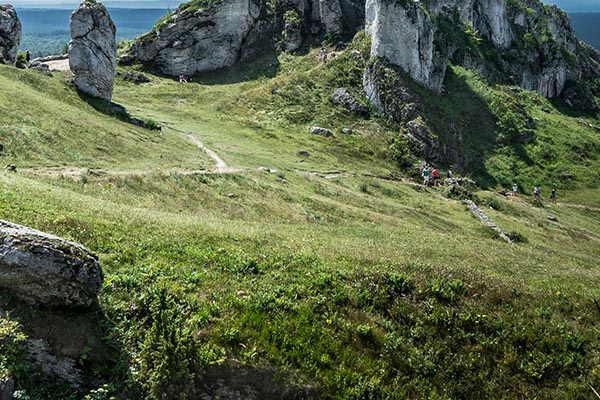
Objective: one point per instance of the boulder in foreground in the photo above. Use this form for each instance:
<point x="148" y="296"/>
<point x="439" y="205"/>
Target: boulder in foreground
<point x="44" y="269"/>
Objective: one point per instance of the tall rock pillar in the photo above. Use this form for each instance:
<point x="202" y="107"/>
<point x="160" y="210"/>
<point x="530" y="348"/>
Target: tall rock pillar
<point x="93" y="50"/>
<point x="10" y="34"/>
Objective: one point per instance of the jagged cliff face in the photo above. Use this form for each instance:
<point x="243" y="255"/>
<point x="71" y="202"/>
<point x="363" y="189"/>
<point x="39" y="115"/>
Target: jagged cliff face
<point x="200" y="40"/>
<point x="407" y="33"/>
<point x="196" y="40"/>
<point x="547" y="55"/>
<point x="524" y="43"/>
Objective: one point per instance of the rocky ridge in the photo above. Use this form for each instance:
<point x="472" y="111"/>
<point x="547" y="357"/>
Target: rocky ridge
<point x="194" y="40"/>
<point x="525" y="43"/>
<point x="198" y="38"/>
<point x="93" y="50"/>
<point x="10" y="34"/>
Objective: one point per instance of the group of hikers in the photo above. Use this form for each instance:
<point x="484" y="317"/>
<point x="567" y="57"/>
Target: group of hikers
<point x="536" y="193"/>
<point x="432" y="178"/>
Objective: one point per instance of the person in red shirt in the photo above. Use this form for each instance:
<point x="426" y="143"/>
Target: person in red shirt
<point x="435" y="174"/>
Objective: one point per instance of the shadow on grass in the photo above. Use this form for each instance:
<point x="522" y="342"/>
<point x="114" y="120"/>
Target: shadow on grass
<point x="117" y="111"/>
<point x="464" y="124"/>
<point x="565" y="109"/>
<point x="106" y="107"/>
<point x="84" y="339"/>
<point x="219" y="381"/>
<point x="266" y="65"/>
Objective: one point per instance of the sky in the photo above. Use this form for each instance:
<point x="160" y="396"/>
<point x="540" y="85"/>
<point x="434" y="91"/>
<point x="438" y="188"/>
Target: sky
<point x="568" y="5"/>
<point x="109" y="3"/>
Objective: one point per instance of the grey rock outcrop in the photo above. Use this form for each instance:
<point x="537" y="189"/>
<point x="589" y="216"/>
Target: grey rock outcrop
<point x="196" y="40"/>
<point x="7" y="388"/>
<point x="548" y="55"/>
<point x="135" y="77"/>
<point x="342" y="97"/>
<point x="487" y="221"/>
<point x="534" y="44"/>
<point x="580" y="98"/>
<point x="330" y="15"/>
<point x="93" y="50"/>
<point x="386" y="89"/>
<point x="403" y="33"/>
<point x="292" y="36"/>
<point x="44" y="269"/>
<point x="315" y="130"/>
<point x="41" y="67"/>
<point x="10" y="34"/>
<point x="52" y="367"/>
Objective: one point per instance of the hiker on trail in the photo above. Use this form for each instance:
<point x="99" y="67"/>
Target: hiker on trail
<point x="553" y="196"/>
<point x="27" y="57"/>
<point x="536" y="193"/>
<point x="425" y="175"/>
<point x="435" y="174"/>
<point x="515" y="189"/>
<point x="182" y="78"/>
<point x="323" y="55"/>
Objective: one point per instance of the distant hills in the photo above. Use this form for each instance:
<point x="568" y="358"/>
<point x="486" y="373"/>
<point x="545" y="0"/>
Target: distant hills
<point x="576" y="5"/>
<point x="587" y="27"/>
<point x="46" y="31"/>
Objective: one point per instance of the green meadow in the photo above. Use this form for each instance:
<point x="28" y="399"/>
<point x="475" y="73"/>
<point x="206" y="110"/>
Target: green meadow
<point x="333" y="275"/>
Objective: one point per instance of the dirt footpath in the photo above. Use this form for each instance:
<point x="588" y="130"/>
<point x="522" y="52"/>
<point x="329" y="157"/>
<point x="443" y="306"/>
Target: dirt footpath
<point x="58" y="65"/>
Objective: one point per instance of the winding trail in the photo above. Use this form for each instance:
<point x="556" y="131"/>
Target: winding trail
<point x="221" y="167"/>
<point x="73" y="172"/>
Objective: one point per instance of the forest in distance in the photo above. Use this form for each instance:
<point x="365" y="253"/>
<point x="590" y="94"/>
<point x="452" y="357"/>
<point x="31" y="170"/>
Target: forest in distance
<point x="46" y="31"/>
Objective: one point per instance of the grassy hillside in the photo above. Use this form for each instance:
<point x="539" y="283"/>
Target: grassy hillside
<point x="46" y="124"/>
<point x="333" y="275"/>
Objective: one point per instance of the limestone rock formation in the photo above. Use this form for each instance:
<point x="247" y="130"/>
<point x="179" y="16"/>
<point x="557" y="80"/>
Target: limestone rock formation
<point x="386" y="90"/>
<point x="315" y="130"/>
<point x="10" y="34"/>
<point x="7" y="388"/>
<point x="41" y="67"/>
<point x="195" y="40"/>
<point x="330" y="15"/>
<point x="93" y="50"/>
<point x="532" y="45"/>
<point x="342" y="97"/>
<point x="292" y="33"/>
<point x="403" y="34"/>
<point x="55" y="368"/>
<point x="45" y="269"/>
